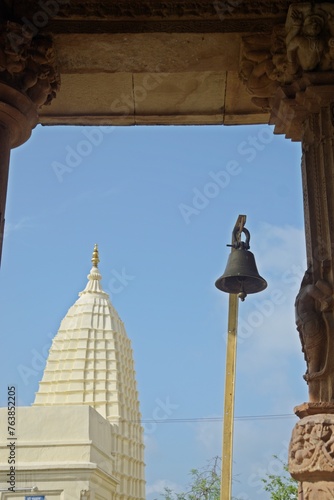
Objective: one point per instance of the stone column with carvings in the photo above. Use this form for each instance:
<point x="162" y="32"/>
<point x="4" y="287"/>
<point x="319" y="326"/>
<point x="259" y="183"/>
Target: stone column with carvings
<point x="293" y="78"/>
<point x="28" y="80"/>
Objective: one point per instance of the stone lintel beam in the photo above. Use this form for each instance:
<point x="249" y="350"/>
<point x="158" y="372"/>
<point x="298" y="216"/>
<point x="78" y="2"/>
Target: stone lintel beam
<point x="146" y="53"/>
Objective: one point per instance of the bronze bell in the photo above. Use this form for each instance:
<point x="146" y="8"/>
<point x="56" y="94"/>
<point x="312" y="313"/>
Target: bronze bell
<point x="241" y="275"/>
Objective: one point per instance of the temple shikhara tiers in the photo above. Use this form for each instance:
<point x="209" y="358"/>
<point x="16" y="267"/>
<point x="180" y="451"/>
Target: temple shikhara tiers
<point x="82" y="437"/>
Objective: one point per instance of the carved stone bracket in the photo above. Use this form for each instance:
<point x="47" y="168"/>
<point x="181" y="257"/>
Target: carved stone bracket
<point x="293" y="104"/>
<point x="302" y="47"/>
<point x="27" y="63"/>
<point x="263" y="65"/>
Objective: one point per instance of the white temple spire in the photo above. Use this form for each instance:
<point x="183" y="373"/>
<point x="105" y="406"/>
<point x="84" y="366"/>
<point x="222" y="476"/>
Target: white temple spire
<point x="94" y="277"/>
<point x="91" y="363"/>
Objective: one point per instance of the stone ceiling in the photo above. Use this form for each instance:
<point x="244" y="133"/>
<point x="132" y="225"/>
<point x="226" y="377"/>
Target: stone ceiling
<point x="149" y="62"/>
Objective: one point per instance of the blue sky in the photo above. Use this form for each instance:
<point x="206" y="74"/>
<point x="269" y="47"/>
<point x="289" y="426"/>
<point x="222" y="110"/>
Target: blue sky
<point x="161" y="202"/>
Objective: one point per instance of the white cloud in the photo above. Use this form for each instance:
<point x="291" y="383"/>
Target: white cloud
<point x="151" y="444"/>
<point x="269" y="347"/>
<point x="208" y="435"/>
<point x="278" y="248"/>
<point x="255" y="444"/>
<point x="23" y="223"/>
<point x="250" y="466"/>
<point x="159" y="486"/>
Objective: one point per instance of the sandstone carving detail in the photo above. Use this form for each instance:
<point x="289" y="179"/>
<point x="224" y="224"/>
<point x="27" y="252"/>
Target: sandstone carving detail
<point x="304" y="44"/>
<point x="313" y="307"/>
<point x="27" y="63"/>
<point x="263" y="65"/>
<point x="321" y="489"/>
<point x="158" y="9"/>
<point x="312" y="447"/>
<point x="308" y="39"/>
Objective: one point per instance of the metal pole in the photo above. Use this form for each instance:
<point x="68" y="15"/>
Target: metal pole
<point x="231" y="356"/>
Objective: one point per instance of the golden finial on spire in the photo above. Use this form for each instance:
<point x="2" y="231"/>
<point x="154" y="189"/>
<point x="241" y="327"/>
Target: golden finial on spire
<point x="95" y="256"/>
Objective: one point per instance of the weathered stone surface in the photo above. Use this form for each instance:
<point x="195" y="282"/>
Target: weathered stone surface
<point x="311" y="449"/>
<point x="151" y="53"/>
<point x="308" y="409"/>
<point x="315" y="491"/>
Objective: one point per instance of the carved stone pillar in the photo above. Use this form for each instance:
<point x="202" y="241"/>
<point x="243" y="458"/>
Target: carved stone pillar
<point x="305" y="111"/>
<point x="291" y="74"/>
<point x="28" y="80"/>
<point x="314" y="305"/>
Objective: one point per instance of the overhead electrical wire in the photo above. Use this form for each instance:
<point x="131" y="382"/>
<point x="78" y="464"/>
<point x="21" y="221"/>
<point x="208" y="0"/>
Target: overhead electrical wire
<point x="215" y="419"/>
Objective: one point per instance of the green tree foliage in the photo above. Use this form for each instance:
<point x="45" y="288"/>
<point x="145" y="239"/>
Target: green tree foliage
<point x="281" y="487"/>
<point x="205" y="484"/>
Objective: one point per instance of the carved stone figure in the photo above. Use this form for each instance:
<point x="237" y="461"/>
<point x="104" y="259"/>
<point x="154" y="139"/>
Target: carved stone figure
<point x="262" y="69"/>
<point x="311" y="302"/>
<point x="41" y="80"/>
<point x="27" y="63"/>
<point x="264" y="65"/>
<point x="305" y="42"/>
